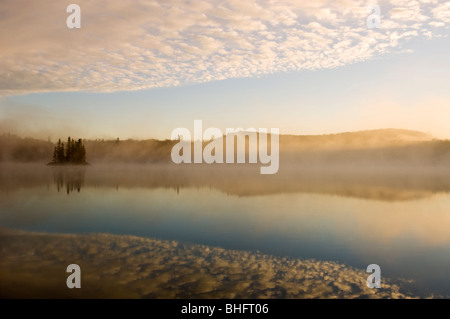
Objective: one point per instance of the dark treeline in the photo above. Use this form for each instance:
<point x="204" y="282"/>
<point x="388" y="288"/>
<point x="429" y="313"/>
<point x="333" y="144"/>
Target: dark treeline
<point x="18" y="149"/>
<point x="72" y="153"/>
<point x="129" y="151"/>
<point x="371" y="147"/>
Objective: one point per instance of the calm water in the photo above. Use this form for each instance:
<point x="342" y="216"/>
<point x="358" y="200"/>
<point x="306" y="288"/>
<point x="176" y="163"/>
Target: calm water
<point x="400" y="220"/>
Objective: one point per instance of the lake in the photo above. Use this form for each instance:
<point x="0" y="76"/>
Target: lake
<point x="397" y="218"/>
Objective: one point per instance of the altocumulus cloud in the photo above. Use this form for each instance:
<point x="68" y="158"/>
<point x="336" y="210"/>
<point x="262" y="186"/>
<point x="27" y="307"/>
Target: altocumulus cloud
<point x="147" y="44"/>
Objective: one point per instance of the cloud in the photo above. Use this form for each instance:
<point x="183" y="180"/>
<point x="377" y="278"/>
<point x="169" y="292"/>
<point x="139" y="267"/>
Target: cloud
<point x="168" y="43"/>
<point x="442" y="12"/>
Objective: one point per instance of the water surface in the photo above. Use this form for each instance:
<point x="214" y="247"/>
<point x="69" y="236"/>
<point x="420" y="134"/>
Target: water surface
<point x="394" y="218"/>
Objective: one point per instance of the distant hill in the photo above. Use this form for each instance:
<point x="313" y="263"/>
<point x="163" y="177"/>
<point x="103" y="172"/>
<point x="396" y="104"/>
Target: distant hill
<point x="360" y="139"/>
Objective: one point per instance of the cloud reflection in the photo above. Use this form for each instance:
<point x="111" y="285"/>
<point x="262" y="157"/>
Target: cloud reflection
<point x="33" y="265"/>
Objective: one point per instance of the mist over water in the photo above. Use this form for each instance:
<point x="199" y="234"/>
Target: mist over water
<point x="394" y="216"/>
<point x="337" y="204"/>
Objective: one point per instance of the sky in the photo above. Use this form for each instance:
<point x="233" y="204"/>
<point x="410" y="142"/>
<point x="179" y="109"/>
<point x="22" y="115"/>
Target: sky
<point x="139" y="69"/>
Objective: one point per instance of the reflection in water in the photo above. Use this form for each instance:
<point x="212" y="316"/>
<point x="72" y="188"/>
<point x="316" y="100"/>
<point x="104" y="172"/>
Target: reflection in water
<point x="69" y="178"/>
<point x="397" y="218"/>
<point x="377" y="183"/>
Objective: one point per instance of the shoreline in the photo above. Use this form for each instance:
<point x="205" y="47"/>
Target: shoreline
<point x="122" y="266"/>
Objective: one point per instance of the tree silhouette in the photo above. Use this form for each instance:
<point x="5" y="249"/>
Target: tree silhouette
<point x="70" y="150"/>
<point x="74" y="153"/>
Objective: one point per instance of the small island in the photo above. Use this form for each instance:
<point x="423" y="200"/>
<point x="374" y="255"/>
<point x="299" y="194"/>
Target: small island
<point x="74" y="153"/>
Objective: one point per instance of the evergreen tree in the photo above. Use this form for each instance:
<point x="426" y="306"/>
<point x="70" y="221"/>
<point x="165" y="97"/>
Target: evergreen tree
<point x="55" y="155"/>
<point x="75" y="153"/>
<point x="69" y="152"/>
<point x="83" y="154"/>
<point x="60" y="153"/>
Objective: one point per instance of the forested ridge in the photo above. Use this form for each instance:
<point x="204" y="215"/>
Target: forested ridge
<point x="380" y="146"/>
